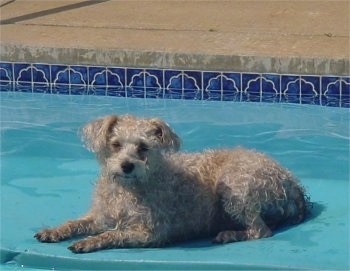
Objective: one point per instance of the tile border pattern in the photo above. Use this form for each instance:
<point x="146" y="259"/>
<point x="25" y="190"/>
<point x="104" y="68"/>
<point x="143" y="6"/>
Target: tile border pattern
<point x="330" y="90"/>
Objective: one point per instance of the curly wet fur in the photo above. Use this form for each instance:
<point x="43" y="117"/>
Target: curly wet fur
<point x="150" y="195"/>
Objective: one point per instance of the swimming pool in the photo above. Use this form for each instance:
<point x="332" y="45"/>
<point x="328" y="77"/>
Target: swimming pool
<point x="47" y="177"/>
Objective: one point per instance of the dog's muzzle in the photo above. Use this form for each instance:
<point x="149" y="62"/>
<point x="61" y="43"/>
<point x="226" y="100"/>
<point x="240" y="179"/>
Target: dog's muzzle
<point x="127" y="167"/>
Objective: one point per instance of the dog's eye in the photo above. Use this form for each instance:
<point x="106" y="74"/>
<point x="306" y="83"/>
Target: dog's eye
<point x="142" y="147"/>
<point x="116" y="145"/>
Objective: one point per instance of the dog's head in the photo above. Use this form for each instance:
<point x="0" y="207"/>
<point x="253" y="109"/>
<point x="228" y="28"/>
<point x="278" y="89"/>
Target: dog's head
<point x="127" y="145"/>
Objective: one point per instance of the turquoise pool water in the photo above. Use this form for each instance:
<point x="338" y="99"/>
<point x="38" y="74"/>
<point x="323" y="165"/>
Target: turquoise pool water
<point x="47" y="177"/>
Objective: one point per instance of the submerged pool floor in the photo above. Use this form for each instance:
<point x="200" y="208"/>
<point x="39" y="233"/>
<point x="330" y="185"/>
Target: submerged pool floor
<point x="47" y="177"/>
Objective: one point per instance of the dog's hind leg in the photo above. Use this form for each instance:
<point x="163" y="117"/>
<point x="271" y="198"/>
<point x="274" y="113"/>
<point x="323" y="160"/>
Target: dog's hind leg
<point x="256" y="230"/>
<point x="244" y="213"/>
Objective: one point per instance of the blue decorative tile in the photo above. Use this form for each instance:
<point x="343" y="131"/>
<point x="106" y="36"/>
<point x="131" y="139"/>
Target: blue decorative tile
<point x="6" y="86"/>
<point x="173" y="85"/>
<point x="22" y="72"/>
<point x="310" y="89"/>
<point x="41" y="73"/>
<point x="6" y="76"/>
<point x="107" y="81"/>
<point x="135" y="83"/>
<point x="116" y="77"/>
<point x="24" y="87"/>
<point x="330" y="91"/>
<point x="271" y="87"/>
<point x="78" y="90"/>
<point x="135" y="92"/>
<point x="69" y="75"/>
<point x="41" y="88"/>
<point x="290" y="88"/>
<point x="60" y="89"/>
<point x="251" y="87"/>
<point x="183" y="85"/>
<point x="192" y="85"/>
<point x="145" y="78"/>
<point x="249" y="81"/>
<point x="135" y="77"/>
<point x="6" y="72"/>
<point x="221" y="86"/>
<point x="116" y="91"/>
<point x="78" y="75"/>
<point x="60" y="74"/>
<point x="97" y="76"/>
<point x="154" y="93"/>
<point x="144" y="83"/>
<point x="32" y="77"/>
<point x="169" y="75"/>
<point x="154" y="84"/>
<point x="97" y="90"/>
<point x="192" y="80"/>
<point x="345" y="93"/>
<point x="212" y="82"/>
<point x="232" y="86"/>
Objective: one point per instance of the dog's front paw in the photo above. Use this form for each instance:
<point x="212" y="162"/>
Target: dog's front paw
<point x="83" y="246"/>
<point x="48" y="236"/>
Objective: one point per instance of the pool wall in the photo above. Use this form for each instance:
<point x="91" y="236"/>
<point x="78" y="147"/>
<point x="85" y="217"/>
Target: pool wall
<point x="325" y="90"/>
<point x="259" y="51"/>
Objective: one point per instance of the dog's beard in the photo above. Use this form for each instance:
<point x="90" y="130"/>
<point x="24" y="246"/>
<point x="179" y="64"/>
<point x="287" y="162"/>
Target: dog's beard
<point x="139" y="174"/>
<point x="117" y="176"/>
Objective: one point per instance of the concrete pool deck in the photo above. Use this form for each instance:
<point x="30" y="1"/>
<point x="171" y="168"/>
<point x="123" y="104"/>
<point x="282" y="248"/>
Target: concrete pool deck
<point x="302" y="37"/>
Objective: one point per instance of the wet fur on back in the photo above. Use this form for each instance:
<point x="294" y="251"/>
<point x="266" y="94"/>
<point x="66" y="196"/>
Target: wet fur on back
<point x="150" y="195"/>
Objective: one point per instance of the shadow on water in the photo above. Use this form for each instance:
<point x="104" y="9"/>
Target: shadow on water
<point x="316" y="209"/>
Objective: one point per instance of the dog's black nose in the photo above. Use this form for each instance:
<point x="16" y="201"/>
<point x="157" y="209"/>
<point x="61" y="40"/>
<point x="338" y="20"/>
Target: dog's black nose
<point x="127" y="167"/>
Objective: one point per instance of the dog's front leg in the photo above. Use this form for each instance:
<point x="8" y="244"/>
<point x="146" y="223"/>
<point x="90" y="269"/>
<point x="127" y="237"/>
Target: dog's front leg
<point x="112" y="239"/>
<point x="84" y="226"/>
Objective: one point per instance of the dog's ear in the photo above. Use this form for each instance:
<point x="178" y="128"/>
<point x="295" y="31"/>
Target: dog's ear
<point x="95" y="134"/>
<point x="165" y="135"/>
